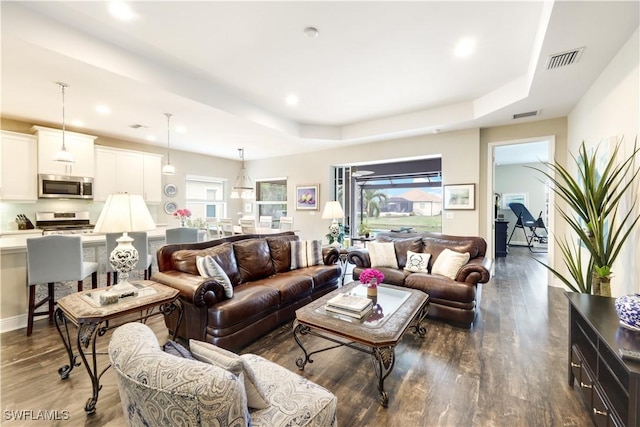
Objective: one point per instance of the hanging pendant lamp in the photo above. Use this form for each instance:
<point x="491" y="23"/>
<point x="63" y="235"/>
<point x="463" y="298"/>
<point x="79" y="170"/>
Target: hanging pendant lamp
<point x="243" y="188"/>
<point x="63" y="156"/>
<point x="168" y="169"/>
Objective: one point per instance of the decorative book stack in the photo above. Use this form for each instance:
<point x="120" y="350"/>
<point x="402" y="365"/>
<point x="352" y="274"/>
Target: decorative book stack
<point x="349" y="305"/>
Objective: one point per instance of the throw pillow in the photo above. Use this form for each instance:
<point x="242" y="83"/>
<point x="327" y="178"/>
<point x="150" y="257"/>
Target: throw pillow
<point x="417" y="262"/>
<point x="382" y="254"/>
<point x="449" y="262"/>
<point x="305" y="253"/>
<point x="208" y="267"/>
<point x="177" y="349"/>
<point x="209" y="353"/>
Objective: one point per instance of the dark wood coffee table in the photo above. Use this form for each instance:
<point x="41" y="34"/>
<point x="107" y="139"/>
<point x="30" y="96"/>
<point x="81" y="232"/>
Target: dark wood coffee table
<point x="396" y="309"/>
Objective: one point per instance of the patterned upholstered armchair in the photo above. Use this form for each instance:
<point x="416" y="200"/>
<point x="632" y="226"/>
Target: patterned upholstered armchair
<point x="160" y="389"/>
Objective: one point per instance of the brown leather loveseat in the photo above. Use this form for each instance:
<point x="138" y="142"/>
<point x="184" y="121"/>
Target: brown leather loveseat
<point x="266" y="292"/>
<point x="455" y="301"/>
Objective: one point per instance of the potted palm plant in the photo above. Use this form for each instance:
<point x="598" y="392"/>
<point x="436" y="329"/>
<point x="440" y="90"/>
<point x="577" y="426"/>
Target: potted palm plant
<point x="593" y="199"/>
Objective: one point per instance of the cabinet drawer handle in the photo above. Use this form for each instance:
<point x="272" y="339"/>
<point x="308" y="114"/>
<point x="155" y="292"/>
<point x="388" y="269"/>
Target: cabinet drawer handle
<point x="575" y="365"/>
<point x="584" y="385"/>
<point x="603" y="413"/>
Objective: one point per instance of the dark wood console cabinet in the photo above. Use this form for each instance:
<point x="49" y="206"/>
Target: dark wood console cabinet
<point x="610" y="385"/>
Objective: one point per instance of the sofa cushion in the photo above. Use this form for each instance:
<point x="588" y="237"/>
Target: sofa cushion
<point x="382" y="254"/>
<point x="177" y="349"/>
<point x="250" y="301"/>
<point x="417" y="262"/>
<point x="305" y="253"/>
<point x="208" y="267"/>
<point x="254" y="259"/>
<point x="449" y="263"/>
<point x="209" y="353"/>
<point x="442" y="288"/>
<point x="290" y="286"/>
<point x="402" y="246"/>
<point x="281" y="252"/>
<point x="185" y="260"/>
<point x="435" y="245"/>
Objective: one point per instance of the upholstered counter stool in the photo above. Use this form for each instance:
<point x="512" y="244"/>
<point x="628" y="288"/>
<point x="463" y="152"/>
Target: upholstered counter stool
<point x="53" y="259"/>
<point x="141" y="244"/>
<point x="181" y="235"/>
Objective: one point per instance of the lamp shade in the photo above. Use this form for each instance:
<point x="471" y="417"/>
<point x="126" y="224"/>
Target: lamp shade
<point x="332" y="210"/>
<point x="123" y="213"/>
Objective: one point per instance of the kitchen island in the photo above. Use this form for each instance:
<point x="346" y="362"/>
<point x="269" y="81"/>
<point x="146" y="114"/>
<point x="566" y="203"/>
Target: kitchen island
<point x="13" y="271"/>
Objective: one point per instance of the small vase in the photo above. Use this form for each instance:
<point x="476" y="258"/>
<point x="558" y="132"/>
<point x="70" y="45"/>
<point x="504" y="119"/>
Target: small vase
<point x="183" y="223"/>
<point x="628" y="308"/>
<point x="372" y="288"/>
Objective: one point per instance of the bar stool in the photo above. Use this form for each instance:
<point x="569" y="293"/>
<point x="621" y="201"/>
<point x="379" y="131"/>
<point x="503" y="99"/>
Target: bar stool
<point x="53" y="259"/>
<point x="181" y="235"/>
<point x="141" y="244"/>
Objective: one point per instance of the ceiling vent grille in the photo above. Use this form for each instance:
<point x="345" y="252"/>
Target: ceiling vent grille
<point x="563" y="59"/>
<point x="527" y="114"/>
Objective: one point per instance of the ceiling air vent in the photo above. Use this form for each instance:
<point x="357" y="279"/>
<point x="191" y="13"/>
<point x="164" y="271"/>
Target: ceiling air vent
<point x="565" y="58"/>
<point x="527" y="114"/>
<point x="137" y="126"/>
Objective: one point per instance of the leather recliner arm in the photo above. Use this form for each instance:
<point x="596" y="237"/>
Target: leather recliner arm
<point x="199" y="291"/>
<point x="477" y="270"/>
<point x="330" y="255"/>
<point x="359" y="257"/>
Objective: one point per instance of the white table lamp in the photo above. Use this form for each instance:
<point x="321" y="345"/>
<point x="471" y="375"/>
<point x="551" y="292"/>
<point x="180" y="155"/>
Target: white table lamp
<point x="333" y="210"/>
<point x="123" y="213"/>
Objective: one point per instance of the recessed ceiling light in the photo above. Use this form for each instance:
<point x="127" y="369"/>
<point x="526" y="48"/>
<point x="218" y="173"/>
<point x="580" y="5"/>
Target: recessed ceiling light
<point x="181" y="129"/>
<point x="464" y="47"/>
<point x="291" y="100"/>
<point x="311" y="32"/>
<point x="78" y="123"/>
<point x="151" y="138"/>
<point x="121" y="10"/>
<point x="103" y="109"/>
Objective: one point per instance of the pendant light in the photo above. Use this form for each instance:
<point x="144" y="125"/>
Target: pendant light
<point x="63" y="156"/>
<point x="243" y="188"/>
<point x="168" y="169"/>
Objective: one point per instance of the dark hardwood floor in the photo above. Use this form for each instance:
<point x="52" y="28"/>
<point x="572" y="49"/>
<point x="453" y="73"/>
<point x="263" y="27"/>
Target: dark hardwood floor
<point x="509" y="370"/>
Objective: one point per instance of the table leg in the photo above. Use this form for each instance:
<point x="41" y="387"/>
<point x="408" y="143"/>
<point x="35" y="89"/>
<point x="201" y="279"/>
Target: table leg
<point x="383" y="360"/>
<point x="417" y="326"/>
<point x="87" y="335"/>
<point x="65" y="370"/>
<point x="302" y="330"/>
<point x="167" y="309"/>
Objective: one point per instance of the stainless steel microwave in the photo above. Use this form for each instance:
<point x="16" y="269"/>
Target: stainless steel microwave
<point x="64" y="187"/>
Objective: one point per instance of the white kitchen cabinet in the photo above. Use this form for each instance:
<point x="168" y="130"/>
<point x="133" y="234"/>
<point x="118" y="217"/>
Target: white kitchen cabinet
<point x="152" y="178"/>
<point x="19" y="161"/>
<point x="81" y="146"/>
<point x="133" y="172"/>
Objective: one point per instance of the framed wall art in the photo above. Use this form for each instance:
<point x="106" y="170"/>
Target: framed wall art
<point x="460" y="196"/>
<point x="307" y="197"/>
<point x="513" y="198"/>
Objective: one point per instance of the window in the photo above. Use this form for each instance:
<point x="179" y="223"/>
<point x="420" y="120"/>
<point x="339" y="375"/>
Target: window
<point x="271" y="198"/>
<point x="205" y="197"/>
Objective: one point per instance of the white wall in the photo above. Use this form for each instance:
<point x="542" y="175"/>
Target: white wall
<point x="610" y="108"/>
<point x="460" y="165"/>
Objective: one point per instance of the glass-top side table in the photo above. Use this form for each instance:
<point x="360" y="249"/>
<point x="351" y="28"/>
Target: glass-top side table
<point x="92" y="320"/>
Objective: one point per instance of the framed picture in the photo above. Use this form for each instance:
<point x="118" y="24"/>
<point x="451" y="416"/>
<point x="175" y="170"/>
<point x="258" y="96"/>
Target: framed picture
<point x="513" y="198"/>
<point x="307" y="197"/>
<point x="460" y="196"/>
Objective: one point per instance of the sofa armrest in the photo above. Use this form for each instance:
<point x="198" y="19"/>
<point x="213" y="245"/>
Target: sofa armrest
<point x="477" y="270"/>
<point x="330" y="255"/>
<point x="199" y="291"/>
<point x="359" y="257"/>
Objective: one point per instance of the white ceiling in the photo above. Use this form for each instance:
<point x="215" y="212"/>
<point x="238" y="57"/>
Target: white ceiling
<point x="378" y="70"/>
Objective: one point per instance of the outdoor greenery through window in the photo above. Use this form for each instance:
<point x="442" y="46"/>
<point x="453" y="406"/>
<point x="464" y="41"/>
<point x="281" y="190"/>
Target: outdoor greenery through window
<point x="205" y="199"/>
<point x="391" y="196"/>
<point x="271" y="199"/>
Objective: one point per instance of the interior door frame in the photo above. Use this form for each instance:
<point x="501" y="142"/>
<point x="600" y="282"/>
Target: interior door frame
<point x="551" y="146"/>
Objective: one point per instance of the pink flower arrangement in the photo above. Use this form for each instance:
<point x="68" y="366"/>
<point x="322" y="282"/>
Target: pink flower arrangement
<point x="371" y="273"/>
<point x="182" y="214"/>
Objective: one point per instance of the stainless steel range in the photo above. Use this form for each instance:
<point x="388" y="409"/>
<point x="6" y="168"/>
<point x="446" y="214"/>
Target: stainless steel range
<point x="64" y="223"/>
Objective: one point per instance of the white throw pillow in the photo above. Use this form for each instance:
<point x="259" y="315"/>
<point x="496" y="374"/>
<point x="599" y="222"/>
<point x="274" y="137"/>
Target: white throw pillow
<point x="382" y="254"/>
<point x="208" y="267"/>
<point x="449" y="262"/>
<point x="209" y="353"/>
<point x="417" y="262"/>
<point x="305" y="253"/>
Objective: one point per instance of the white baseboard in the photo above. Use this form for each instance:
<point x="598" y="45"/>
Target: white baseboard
<point x="13" y="323"/>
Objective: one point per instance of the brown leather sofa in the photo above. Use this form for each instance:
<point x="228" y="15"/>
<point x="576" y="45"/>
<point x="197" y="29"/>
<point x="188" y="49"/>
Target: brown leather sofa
<point x="266" y="292"/>
<point x="454" y="301"/>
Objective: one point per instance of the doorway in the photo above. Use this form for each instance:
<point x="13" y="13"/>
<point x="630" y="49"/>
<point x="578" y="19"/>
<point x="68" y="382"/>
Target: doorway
<point x="509" y="176"/>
